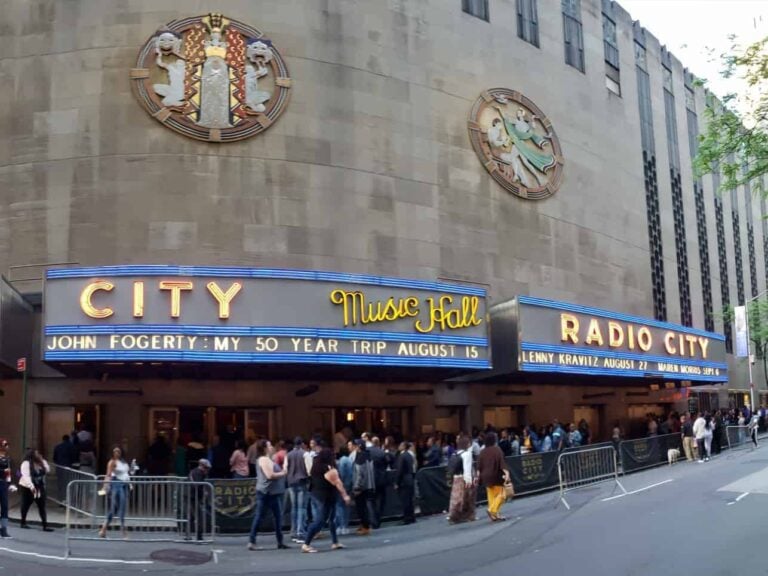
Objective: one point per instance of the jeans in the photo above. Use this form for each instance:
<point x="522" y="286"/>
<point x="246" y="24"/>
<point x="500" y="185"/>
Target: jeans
<point x="27" y="498"/>
<point x="3" y="505"/>
<point x="364" y="505"/>
<point x="379" y="502"/>
<point x="275" y="503"/>
<point x="118" y="499"/>
<point x="299" y="495"/>
<point x="326" y="512"/>
<point x="342" y="513"/>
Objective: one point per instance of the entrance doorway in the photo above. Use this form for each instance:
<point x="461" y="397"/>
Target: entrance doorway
<point x="594" y="418"/>
<point x="56" y="421"/>
<point x="504" y="416"/>
<point x="396" y="422"/>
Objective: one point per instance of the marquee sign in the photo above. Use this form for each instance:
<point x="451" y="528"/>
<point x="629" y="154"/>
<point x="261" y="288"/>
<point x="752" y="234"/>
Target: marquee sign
<point x="560" y="337"/>
<point x="247" y="315"/>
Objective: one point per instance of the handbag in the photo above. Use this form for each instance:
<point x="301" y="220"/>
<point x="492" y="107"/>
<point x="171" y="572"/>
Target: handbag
<point x="509" y="490"/>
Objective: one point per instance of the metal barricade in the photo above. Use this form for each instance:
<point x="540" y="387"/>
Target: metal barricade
<point x="64" y="476"/>
<point x="146" y="509"/>
<point x="642" y="453"/>
<point x="738" y="436"/>
<point x="583" y="468"/>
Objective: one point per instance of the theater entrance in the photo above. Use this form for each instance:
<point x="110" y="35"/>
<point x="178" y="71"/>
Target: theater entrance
<point x="396" y="422"/>
<point x="56" y="421"/>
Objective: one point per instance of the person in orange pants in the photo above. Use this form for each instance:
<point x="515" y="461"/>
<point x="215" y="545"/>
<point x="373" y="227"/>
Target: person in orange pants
<point x="493" y="474"/>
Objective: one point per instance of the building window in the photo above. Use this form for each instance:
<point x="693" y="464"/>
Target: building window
<point x="477" y="8"/>
<point x="722" y="258"/>
<point x="528" y="21"/>
<point x="701" y="225"/>
<point x="572" y="34"/>
<point x="690" y="100"/>
<point x="640" y="59"/>
<point x="611" y="50"/>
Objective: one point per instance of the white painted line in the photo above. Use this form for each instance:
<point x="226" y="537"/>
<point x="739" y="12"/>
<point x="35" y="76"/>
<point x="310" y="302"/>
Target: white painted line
<point x="51" y="557"/>
<point x="742" y="496"/>
<point x="638" y="490"/>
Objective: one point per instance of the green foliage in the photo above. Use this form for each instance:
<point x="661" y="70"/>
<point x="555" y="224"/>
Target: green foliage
<point x="736" y="143"/>
<point x="757" y="315"/>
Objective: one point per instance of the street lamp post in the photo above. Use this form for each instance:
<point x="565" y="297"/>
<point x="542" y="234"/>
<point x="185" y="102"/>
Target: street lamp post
<point x="749" y="354"/>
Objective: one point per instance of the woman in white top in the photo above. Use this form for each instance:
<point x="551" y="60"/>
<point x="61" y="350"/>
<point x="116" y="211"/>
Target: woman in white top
<point x="116" y="484"/>
<point x="32" y="482"/>
<point x="463" y="486"/>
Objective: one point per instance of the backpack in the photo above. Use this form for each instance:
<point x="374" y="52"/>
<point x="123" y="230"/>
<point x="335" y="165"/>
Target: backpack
<point x="455" y="467"/>
<point x="364" y="477"/>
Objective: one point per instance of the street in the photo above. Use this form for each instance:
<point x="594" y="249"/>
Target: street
<point x="690" y="518"/>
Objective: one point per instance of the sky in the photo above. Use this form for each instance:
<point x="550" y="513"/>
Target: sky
<point x="690" y="28"/>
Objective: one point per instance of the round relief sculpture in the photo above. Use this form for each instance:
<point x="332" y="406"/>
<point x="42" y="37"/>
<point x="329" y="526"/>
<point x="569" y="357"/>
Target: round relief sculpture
<point x="516" y="143"/>
<point x="211" y="78"/>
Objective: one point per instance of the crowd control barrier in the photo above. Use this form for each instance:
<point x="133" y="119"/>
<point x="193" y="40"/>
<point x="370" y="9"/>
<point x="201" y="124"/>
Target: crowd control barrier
<point x="738" y="436"/>
<point x="64" y="476"/>
<point x="587" y="467"/>
<point x="648" y="452"/>
<point x="157" y="509"/>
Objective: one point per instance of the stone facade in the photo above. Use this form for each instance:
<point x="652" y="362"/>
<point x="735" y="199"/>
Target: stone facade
<point x="370" y="168"/>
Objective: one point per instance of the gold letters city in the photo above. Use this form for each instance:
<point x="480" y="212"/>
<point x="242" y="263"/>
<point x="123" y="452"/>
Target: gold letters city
<point x="625" y="335"/>
<point x="442" y="313"/>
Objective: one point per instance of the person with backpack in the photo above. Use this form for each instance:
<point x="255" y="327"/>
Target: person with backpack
<point x="463" y="485"/>
<point x="363" y="486"/>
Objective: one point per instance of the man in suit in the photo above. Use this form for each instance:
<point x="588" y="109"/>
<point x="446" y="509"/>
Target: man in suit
<point x="405" y="479"/>
<point x="381" y="463"/>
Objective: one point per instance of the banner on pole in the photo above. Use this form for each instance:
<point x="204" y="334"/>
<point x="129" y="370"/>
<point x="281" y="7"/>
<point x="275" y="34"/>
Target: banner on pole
<point x="742" y="331"/>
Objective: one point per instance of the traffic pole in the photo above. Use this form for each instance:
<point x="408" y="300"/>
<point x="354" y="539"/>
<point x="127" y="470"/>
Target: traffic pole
<point x="21" y="366"/>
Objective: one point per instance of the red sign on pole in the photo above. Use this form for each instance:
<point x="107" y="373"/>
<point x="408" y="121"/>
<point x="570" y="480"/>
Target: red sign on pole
<point x="21" y="365"/>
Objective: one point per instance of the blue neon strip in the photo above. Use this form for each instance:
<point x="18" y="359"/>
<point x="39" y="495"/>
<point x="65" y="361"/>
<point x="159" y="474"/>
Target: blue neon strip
<point x="554" y="304"/>
<point x="533" y="347"/>
<point x="275" y="273"/>
<point x="285" y="331"/>
<point x="253" y="357"/>
<point x="605" y="372"/>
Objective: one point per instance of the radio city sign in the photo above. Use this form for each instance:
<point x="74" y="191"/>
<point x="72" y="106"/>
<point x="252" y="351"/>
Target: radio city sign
<point x="243" y="315"/>
<point x="562" y="337"/>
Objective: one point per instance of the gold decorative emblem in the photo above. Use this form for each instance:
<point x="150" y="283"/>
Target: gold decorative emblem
<point x="516" y="143"/>
<point x="211" y="78"/>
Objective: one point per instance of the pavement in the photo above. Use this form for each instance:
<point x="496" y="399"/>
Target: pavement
<point x="691" y="518"/>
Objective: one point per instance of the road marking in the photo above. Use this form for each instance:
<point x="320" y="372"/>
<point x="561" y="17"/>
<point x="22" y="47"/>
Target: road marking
<point x="739" y="497"/>
<point x="638" y="490"/>
<point x="51" y="557"/>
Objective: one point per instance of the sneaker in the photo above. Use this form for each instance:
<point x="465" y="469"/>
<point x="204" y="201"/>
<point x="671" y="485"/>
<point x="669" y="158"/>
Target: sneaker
<point x="4" y="534"/>
<point x="283" y="547"/>
<point x="47" y="529"/>
<point x="252" y="546"/>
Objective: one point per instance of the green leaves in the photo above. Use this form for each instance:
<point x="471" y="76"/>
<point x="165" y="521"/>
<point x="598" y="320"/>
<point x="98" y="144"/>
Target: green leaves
<point x="735" y="141"/>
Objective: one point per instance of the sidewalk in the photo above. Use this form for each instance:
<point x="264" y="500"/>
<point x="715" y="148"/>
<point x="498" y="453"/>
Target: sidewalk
<point x="429" y="536"/>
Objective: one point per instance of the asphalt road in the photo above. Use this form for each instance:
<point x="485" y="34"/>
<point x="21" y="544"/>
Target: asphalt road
<point x="703" y="519"/>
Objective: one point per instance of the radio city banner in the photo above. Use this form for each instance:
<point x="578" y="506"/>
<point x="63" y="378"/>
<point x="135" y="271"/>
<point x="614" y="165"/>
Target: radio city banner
<point x="560" y="337"/>
<point x="247" y="315"/>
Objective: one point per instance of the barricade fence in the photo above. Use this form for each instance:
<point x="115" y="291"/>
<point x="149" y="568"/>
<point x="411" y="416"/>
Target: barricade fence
<point x="648" y="452"/>
<point x="146" y="509"/>
<point x="587" y="467"/>
<point x="63" y="476"/>
<point x="738" y="436"/>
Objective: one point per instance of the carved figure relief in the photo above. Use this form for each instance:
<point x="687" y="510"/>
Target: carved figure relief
<point x="516" y="143"/>
<point x="211" y="78"/>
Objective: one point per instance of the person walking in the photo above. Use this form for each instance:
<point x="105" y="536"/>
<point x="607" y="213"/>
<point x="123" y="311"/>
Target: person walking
<point x="298" y="486"/>
<point x="116" y="484"/>
<point x="346" y="470"/>
<point x="709" y="428"/>
<point x="270" y="491"/>
<point x="405" y="483"/>
<point x="238" y="462"/>
<point x="363" y="486"/>
<point x="493" y="473"/>
<point x="325" y="484"/>
<point x="6" y="487"/>
<point x="686" y="431"/>
<point x="33" y="471"/>
<point x="463" y="485"/>
<point x="753" y="427"/>
<point x="698" y="433"/>
<point x="198" y="510"/>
